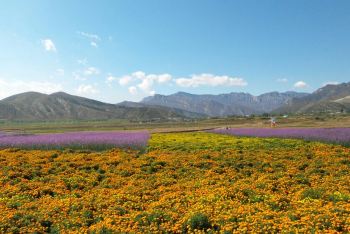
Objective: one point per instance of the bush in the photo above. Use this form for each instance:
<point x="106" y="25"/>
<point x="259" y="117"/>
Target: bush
<point x="337" y="197"/>
<point x="199" y="221"/>
<point x="312" y="193"/>
<point x="301" y="179"/>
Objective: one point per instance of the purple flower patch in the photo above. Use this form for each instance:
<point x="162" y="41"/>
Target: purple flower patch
<point x="82" y="140"/>
<point x="333" y="135"/>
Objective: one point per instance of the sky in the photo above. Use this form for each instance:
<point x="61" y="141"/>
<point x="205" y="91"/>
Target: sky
<point x="113" y="50"/>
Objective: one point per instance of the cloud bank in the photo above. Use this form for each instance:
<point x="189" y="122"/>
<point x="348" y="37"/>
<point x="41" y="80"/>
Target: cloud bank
<point x="206" y="79"/>
<point x="141" y="83"/>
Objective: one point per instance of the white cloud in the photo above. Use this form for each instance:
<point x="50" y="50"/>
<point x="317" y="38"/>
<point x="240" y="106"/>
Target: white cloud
<point x="94" y="44"/>
<point x="210" y="80"/>
<point x="300" y="85"/>
<point x="143" y="82"/>
<point x="48" y="45"/>
<point x="8" y="88"/>
<point x="132" y="90"/>
<point x="60" y="72"/>
<point x="146" y="86"/>
<point x="125" y="80"/>
<point x="148" y="80"/>
<point x="93" y="38"/>
<point x="140" y="82"/>
<point x="139" y="75"/>
<point x="84" y="74"/>
<point x="82" y="61"/>
<point x="86" y="89"/>
<point x="282" y="80"/>
<point x="110" y="79"/>
<point x="160" y="78"/>
<point x="91" y="71"/>
<point x="164" y="78"/>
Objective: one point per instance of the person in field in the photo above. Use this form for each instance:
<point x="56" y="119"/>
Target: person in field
<point x="273" y="122"/>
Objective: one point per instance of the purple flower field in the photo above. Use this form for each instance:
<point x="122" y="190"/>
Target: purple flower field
<point x="332" y="135"/>
<point x="81" y="140"/>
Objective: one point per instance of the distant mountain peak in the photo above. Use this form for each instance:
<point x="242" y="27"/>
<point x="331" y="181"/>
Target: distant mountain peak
<point x="331" y="98"/>
<point x="60" y="93"/>
<point x="26" y="95"/>
<point x="182" y="93"/>
<point x="223" y="104"/>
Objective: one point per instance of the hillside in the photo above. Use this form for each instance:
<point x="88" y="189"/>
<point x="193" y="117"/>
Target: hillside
<point x="328" y="99"/>
<point x="224" y="104"/>
<point x="181" y="112"/>
<point x="62" y="106"/>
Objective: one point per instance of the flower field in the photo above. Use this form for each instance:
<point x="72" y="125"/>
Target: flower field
<point x="78" y="140"/>
<point x="332" y="135"/>
<point x="181" y="183"/>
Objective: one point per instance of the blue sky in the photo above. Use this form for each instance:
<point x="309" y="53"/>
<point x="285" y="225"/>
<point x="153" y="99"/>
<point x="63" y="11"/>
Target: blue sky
<point x="126" y="50"/>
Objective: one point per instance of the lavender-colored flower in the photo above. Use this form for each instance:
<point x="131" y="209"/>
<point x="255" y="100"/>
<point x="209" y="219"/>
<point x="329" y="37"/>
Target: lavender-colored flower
<point x="334" y="135"/>
<point x="83" y="140"/>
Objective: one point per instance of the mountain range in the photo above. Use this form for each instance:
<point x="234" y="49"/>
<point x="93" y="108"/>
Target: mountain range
<point x="332" y="98"/>
<point x="224" y="104"/>
<point x="61" y="106"/>
<point x="178" y="106"/>
<point x="328" y="99"/>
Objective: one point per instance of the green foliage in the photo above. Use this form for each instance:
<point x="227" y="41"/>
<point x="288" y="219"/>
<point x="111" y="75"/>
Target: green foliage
<point x="199" y="221"/>
<point x="338" y="197"/>
<point x="313" y="193"/>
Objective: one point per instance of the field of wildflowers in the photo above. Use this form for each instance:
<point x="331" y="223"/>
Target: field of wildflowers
<point x="75" y="140"/>
<point x="182" y="183"/>
<point x="332" y="135"/>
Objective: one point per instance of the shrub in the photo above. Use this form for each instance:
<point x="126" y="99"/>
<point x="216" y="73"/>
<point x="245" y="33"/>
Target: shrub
<point x="312" y="193"/>
<point x="345" y="162"/>
<point x="53" y="156"/>
<point x="301" y="179"/>
<point x="337" y="197"/>
<point x="199" y="221"/>
<point x="303" y="166"/>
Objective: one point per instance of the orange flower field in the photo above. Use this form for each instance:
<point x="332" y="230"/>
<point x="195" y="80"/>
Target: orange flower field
<point x="181" y="183"/>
